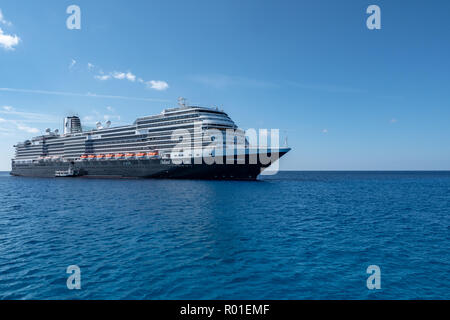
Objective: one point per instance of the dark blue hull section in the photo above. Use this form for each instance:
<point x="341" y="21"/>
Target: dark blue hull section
<point x="145" y="168"/>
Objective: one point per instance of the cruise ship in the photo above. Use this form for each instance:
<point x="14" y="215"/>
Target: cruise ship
<point x="186" y="142"/>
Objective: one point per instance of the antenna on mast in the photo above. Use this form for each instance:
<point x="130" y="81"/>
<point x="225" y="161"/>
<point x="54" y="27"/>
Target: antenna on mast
<point x="286" y="140"/>
<point x="182" y="102"/>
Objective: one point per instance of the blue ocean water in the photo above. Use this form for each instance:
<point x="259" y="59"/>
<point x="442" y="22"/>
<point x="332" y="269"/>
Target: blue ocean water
<point x="295" y="235"/>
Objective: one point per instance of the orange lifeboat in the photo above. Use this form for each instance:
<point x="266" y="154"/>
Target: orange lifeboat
<point x="100" y="156"/>
<point x="84" y="156"/>
<point x="141" y="154"/>
<point x="129" y="155"/>
<point x="119" y="155"/>
<point x="109" y="156"/>
<point x="91" y="156"/>
<point x="152" y="153"/>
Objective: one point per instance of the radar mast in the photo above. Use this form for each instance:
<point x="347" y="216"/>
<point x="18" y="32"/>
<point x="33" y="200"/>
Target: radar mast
<point x="182" y="102"/>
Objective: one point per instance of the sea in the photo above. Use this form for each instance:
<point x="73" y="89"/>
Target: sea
<point x="293" y="235"/>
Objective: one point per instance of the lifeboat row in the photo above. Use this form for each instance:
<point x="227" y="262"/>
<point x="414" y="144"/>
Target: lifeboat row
<point x="111" y="156"/>
<point x="49" y="158"/>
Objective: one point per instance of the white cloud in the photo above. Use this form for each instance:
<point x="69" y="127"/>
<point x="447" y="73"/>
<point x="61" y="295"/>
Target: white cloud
<point x="8" y="41"/>
<point x="109" y="108"/>
<point x="130" y="77"/>
<point x="116" y="75"/>
<point x="72" y="63"/>
<point x="90" y="66"/>
<point x="102" y="77"/>
<point x="152" y="84"/>
<point x="122" y="75"/>
<point x="393" y="120"/>
<point x="119" y="75"/>
<point x="3" y="21"/>
<point x="157" y="85"/>
<point x="7" y="108"/>
<point x="325" y="131"/>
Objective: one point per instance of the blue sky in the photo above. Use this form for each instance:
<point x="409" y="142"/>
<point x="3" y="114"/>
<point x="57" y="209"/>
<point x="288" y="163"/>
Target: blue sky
<point x="348" y="98"/>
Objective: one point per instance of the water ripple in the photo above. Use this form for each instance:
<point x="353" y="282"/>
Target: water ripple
<point x="297" y="235"/>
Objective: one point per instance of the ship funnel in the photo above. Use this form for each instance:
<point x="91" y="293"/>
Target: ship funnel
<point x="108" y="124"/>
<point x="72" y="124"/>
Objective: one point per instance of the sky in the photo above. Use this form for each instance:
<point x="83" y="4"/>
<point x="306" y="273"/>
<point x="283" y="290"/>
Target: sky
<point x="347" y="97"/>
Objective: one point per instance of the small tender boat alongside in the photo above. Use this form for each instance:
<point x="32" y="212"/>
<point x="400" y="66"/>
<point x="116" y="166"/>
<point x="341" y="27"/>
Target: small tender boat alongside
<point x="71" y="172"/>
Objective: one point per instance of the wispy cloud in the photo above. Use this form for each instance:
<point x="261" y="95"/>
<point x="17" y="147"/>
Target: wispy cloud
<point x="116" y="75"/>
<point x="28" y="117"/>
<point x="325" y="131"/>
<point x="124" y="97"/>
<point x="331" y="88"/>
<point x="8" y="108"/>
<point x="393" y="120"/>
<point x="96" y="116"/>
<point x="111" y="117"/>
<point x="89" y="94"/>
<point x="12" y="121"/>
<point x="88" y="118"/>
<point x="19" y="120"/>
<point x="10" y="126"/>
<point x="72" y="63"/>
<point x="102" y="77"/>
<point x="122" y="75"/>
<point x="223" y="81"/>
<point x="157" y="85"/>
<point x="3" y="20"/>
<point x="26" y="128"/>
